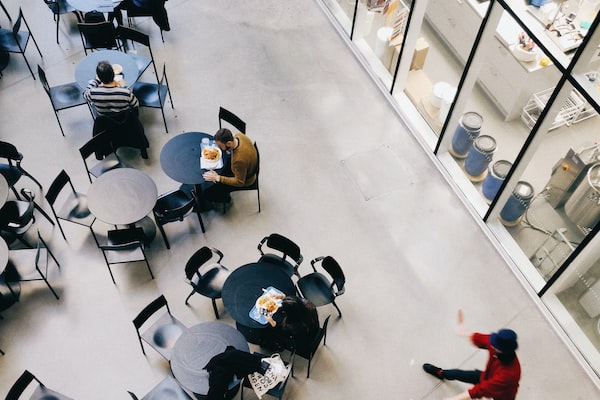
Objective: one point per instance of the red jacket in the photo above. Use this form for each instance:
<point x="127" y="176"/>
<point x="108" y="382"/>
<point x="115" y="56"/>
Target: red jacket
<point x="498" y="381"/>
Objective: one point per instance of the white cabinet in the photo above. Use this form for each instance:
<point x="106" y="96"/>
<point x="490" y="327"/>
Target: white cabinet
<point x="508" y="82"/>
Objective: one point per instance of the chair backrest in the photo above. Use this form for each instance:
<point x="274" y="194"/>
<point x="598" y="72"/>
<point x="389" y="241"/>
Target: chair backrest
<point x="149" y="310"/>
<point x="228" y="116"/>
<point x="198" y="259"/>
<point x="42" y="76"/>
<point x="332" y="267"/>
<point x="57" y="186"/>
<point x="101" y="143"/>
<point x="99" y="35"/>
<point x="20" y="385"/>
<point x="124" y="239"/>
<point x="284" y="245"/>
<point x="10" y="152"/>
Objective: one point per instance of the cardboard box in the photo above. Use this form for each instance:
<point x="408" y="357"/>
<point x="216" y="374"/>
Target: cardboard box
<point x="421" y="49"/>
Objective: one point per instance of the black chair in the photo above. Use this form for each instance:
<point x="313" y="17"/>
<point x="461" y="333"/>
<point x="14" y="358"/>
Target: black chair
<point x="154" y="95"/>
<point x="61" y="7"/>
<point x="63" y="96"/>
<point x="105" y="153"/>
<point x="131" y="37"/>
<point x="228" y="116"/>
<point x="161" y="332"/>
<point x="287" y="248"/>
<point x="167" y="389"/>
<point x="309" y="351"/>
<point x="175" y="206"/>
<point x="98" y="35"/>
<point x="27" y="265"/>
<point x="319" y="289"/>
<point x="73" y="205"/>
<point x="206" y="279"/>
<point x="14" y="40"/>
<point x="124" y="246"/>
<point x="18" y="216"/>
<point x="254" y="186"/>
<point x="279" y="390"/>
<point x="41" y="392"/>
<point x="12" y="170"/>
<point x="156" y="10"/>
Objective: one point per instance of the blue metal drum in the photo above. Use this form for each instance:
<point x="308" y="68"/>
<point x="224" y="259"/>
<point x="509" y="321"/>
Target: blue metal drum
<point x="469" y="127"/>
<point x="517" y="203"/>
<point x="479" y="157"/>
<point x="493" y="180"/>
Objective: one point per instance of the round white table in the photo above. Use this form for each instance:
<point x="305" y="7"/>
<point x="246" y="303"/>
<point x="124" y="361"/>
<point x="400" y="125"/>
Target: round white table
<point x="122" y="196"/>
<point x="195" y="348"/>
<point x="85" y="70"/>
<point x="94" y="5"/>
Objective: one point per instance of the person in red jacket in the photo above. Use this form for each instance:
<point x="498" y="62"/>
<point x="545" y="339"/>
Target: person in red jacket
<point x="500" y="379"/>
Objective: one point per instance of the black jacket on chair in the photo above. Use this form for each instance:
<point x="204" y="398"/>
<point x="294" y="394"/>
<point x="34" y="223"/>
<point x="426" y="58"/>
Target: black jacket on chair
<point x="125" y="130"/>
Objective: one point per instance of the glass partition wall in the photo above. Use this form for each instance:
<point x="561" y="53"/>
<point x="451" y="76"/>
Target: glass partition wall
<point x="506" y="94"/>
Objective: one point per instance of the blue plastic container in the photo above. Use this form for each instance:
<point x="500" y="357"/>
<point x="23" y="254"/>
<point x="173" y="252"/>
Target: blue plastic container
<point x="479" y="157"/>
<point x="517" y="203"/>
<point x="537" y="3"/>
<point x="469" y="127"/>
<point x="493" y="180"/>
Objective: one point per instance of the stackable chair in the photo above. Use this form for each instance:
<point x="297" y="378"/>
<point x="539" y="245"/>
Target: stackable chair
<point x="231" y="118"/>
<point x="175" y="206"/>
<point x="73" y="205"/>
<point x="124" y="246"/>
<point x="162" y="331"/>
<point x="130" y="38"/>
<point x="158" y="5"/>
<point x="154" y="95"/>
<point x="309" y="351"/>
<point x="167" y="389"/>
<point x="318" y="288"/>
<point x="98" y="35"/>
<point x="106" y="156"/>
<point x="41" y="392"/>
<point x="206" y="278"/>
<point x="19" y="215"/>
<point x="61" y="7"/>
<point x="12" y="170"/>
<point x="286" y="248"/>
<point x="27" y="265"/>
<point x="62" y="97"/>
<point x="15" y="40"/>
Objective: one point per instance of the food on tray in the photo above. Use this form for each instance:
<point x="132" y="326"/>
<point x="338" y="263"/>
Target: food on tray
<point x="211" y="153"/>
<point x="267" y="303"/>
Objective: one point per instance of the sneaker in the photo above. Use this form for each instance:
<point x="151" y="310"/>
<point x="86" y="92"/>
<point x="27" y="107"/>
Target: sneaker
<point x="433" y="370"/>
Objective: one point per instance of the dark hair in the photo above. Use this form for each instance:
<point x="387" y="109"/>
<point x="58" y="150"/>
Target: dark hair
<point x="105" y="72"/>
<point x="223" y="135"/>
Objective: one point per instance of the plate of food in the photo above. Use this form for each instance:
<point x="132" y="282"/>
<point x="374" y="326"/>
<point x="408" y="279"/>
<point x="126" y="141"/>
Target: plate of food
<point x="267" y="305"/>
<point x="211" y="153"/>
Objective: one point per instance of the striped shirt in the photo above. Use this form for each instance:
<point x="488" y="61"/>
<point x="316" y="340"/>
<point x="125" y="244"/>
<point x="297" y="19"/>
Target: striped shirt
<point x="109" y="100"/>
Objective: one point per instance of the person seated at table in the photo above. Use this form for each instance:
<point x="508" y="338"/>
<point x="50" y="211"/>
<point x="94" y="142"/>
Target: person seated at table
<point x="155" y="7"/>
<point x="298" y="327"/>
<point x="241" y="170"/>
<point x="116" y="109"/>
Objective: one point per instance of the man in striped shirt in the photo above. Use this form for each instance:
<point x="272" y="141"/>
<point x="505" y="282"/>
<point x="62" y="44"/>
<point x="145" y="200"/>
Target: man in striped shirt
<point x="107" y="95"/>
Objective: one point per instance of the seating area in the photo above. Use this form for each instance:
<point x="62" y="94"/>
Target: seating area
<point x="405" y="270"/>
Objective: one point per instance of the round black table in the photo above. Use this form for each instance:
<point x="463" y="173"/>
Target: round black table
<point x="180" y="158"/>
<point x="194" y="349"/>
<point x="246" y="284"/>
<point x="85" y="70"/>
<point x="94" y="5"/>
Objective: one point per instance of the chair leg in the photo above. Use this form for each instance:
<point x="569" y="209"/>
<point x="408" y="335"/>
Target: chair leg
<point x="57" y="17"/>
<point x="337" y="308"/>
<point x="41" y="210"/>
<point x="59" y="124"/>
<point x="27" y="174"/>
<point x="214" y="304"/>
<point x="308" y="368"/>
<point x="50" y="287"/>
<point x="189" y="295"/>
<point x="200" y="220"/>
<point x="164" y="235"/>
<point x="147" y="264"/>
<point x="29" y="66"/>
<point x="61" y="229"/>
<point x="164" y="119"/>
<point x="258" y="197"/>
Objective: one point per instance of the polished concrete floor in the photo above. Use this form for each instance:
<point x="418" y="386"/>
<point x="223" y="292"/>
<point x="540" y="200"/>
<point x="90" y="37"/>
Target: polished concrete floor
<point x="341" y="176"/>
